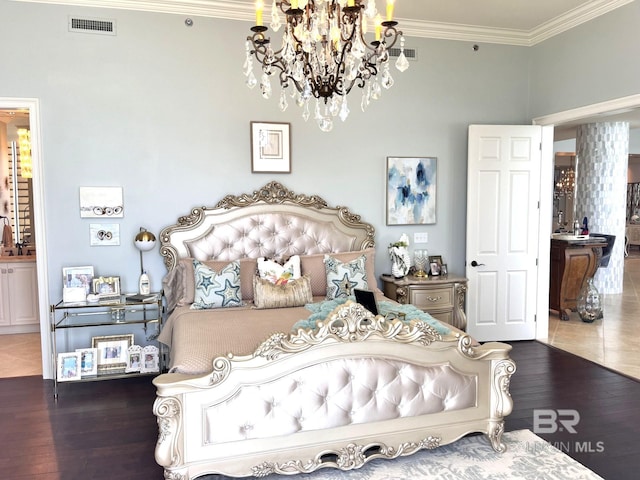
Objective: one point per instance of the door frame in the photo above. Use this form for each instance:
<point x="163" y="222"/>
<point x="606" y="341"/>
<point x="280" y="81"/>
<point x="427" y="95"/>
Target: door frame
<point x="33" y="106"/>
<point x="609" y="107"/>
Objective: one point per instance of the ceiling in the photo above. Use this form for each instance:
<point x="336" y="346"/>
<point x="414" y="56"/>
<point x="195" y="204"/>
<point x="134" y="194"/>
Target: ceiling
<point x="513" y="22"/>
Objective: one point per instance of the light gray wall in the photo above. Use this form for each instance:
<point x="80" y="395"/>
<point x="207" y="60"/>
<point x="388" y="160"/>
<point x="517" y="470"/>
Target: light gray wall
<point x="591" y="63"/>
<point x="163" y="112"/>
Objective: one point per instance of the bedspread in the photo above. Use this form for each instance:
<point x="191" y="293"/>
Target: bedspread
<point x="196" y="337"/>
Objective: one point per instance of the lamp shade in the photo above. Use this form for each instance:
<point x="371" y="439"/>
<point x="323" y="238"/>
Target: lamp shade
<point x="145" y="240"/>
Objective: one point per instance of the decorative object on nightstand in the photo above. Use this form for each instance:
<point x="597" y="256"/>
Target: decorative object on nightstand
<point x="144" y="242"/>
<point x="420" y="261"/>
<point x="399" y="255"/>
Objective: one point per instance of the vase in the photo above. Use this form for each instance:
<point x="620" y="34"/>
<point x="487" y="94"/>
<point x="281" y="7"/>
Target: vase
<point x="400" y="261"/>
<point x="589" y="304"/>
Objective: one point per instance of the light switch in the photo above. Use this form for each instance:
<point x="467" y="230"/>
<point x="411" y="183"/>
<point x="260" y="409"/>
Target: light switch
<point x="420" y="237"/>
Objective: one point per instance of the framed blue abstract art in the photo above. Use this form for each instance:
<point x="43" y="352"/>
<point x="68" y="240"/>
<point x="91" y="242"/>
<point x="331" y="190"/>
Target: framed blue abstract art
<point x="411" y="190"/>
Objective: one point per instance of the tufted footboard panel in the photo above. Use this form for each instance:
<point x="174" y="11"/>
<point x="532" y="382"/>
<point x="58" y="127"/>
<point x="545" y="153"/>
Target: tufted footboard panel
<point x="338" y="393"/>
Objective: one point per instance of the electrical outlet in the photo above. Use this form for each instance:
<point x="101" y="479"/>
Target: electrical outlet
<point x="421" y="237"/>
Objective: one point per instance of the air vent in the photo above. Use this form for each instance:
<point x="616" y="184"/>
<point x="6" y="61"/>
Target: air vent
<point x="410" y="53"/>
<point x="92" y="25"/>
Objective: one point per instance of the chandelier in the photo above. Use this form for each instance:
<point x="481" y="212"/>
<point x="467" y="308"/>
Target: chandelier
<point x="565" y="186"/>
<point x="324" y="54"/>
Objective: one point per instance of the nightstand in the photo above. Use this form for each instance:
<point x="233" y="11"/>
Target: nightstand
<point x="120" y="314"/>
<point x="442" y="297"/>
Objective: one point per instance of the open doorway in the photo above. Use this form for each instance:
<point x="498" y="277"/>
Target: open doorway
<point x="606" y="342"/>
<point x="25" y="293"/>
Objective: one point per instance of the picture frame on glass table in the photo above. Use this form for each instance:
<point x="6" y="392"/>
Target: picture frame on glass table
<point x="76" y="283"/>
<point x="68" y="367"/>
<point x="150" y="359"/>
<point x="88" y="361"/>
<point x="112" y="351"/>
<point x="134" y="359"/>
<point x="106" y="287"/>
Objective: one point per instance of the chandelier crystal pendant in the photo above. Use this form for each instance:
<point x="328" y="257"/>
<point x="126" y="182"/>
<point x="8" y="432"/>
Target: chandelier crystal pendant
<point x="324" y="54"/>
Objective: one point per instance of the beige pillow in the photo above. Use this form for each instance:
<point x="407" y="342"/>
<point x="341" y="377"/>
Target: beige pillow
<point x="294" y="293"/>
<point x="313" y="266"/>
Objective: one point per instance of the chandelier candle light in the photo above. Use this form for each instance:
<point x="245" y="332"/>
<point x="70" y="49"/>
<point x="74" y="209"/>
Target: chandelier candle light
<point x="324" y="54"/>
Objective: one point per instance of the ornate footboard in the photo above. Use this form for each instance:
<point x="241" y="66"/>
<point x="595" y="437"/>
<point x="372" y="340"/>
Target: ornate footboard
<point x="355" y="388"/>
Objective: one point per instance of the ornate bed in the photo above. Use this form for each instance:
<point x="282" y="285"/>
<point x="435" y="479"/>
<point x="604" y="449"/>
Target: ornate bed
<point x="307" y="391"/>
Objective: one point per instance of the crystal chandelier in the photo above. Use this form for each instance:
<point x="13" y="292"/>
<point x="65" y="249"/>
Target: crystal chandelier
<point x="324" y="54"/>
<point x="565" y="186"/>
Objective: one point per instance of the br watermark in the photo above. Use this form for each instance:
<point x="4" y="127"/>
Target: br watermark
<point x="546" y="421"/>
<point x="552" y="421"/>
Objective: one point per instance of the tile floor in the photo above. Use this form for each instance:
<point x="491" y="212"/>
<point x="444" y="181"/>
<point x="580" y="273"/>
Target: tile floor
<point x="613" y="341"/>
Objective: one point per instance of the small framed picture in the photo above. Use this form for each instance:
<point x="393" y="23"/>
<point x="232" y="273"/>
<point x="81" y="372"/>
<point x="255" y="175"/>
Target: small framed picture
<point x="434" y="268"/>
<point x="270" y="147"/>
<point x="112" y="351"/>
<point x="150" y="359"/>
<point x="106" y="287"/>
<point x="78" y="277"/>
<point x="134" y="359"/>
<point x="88" y="361"/>
<point x="443" y="269"/>
<point x="69" y="367"/>
<point x="435" y="258"/>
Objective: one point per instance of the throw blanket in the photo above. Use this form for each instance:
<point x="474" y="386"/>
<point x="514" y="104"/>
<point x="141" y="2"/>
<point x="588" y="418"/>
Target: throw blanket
<point x="322" y="309"/>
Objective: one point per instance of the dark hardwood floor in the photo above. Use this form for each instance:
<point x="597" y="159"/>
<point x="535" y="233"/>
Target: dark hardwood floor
<point x="106" y="430"/>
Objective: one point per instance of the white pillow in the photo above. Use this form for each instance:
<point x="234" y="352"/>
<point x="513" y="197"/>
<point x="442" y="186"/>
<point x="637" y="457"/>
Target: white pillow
<point x="279" y="274"/>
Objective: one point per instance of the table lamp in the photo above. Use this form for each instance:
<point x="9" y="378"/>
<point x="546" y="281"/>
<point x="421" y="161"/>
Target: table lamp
<point x="144" y="242"/>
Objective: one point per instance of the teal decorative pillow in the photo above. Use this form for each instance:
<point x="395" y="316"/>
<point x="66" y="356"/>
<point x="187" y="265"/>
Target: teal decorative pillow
<point x="216" y="289"/>
<point x="343" y="277"/>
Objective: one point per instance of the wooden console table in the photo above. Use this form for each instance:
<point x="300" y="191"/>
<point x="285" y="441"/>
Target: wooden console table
<point x="441" y="296"/>
<point x="573" y="262"/>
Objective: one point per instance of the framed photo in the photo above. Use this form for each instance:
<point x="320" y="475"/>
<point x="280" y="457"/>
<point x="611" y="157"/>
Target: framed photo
<point x="434" y="268"/>
<point x="435" y="265"/>
<point x="112" y="351"/>
<point x="443" y="269"/>
<point x="150" y="359"/>
<point x="68" y="367"/>
<point x="76" y="277"/>
<point x="411" y="190"/>
<point x="106" y="287"/>
<point x="134" y="359"/>
<point x="88" y="361"/>
<point x="270" y="147"/>
<point x="101" y="202"/>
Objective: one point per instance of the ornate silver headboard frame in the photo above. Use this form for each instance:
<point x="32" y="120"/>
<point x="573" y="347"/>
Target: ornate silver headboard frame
<point x="271" y="222"/>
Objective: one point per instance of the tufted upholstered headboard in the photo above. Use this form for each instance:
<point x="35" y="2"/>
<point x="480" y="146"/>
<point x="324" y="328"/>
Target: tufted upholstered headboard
<point x="271" y="222"/>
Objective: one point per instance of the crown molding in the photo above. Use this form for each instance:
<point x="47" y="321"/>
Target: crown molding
<point x="607" y="108"/>
<point x="234" y="10"/>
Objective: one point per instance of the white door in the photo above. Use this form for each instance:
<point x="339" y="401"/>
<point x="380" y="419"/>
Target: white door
<point x="503" y="216"/>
